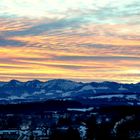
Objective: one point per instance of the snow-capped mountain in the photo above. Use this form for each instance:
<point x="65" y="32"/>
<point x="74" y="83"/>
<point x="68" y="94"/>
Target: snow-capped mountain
<point x="66" y="89"/>
<point x="61" y="84"/>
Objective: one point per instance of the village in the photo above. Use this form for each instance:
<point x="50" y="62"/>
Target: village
<point x="73" y="123"/>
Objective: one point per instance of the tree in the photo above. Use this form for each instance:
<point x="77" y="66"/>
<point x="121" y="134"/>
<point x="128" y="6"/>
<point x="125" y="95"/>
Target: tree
<point x="73" y="134"/>
<point x="91" y="128"/>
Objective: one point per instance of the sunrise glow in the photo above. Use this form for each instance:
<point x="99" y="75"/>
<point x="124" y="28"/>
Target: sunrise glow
<point x="81" y="40"/>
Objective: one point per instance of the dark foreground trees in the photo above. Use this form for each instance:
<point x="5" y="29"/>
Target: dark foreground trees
<point x="69" y="134"/>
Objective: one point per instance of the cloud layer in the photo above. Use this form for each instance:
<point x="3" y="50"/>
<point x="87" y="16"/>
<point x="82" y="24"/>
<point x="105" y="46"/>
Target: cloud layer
<point x="75" y="39"/>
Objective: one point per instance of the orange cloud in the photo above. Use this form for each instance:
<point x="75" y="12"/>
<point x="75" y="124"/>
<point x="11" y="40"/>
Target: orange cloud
<point x="56" y="54"/>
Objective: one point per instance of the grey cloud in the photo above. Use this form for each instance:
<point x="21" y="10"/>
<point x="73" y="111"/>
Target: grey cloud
<point x="109" y="14"/>
<point x="43" y="27"/>
<point x="131" y="75"/>
<point x="97" y="46"/>
<point x="96" y="58"/>
<point x="7" y="42"/>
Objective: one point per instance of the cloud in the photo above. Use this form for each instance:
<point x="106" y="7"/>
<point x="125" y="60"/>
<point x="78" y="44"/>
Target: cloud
<point x="97" y="11"/>
<point x="8" y="42"/>
<point x="97" y="58"/>
<point x="74" y="39"/>
<point x="45" y="27"/>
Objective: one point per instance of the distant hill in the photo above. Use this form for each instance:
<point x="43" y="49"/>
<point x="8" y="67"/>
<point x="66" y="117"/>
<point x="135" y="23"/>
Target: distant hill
<point x="93" y="92"/>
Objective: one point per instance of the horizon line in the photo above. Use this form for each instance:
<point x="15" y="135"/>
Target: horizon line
<point x="6" y="81"/>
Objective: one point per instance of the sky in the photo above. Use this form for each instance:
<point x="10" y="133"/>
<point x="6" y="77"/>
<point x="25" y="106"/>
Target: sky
<point x="81" y="40"/>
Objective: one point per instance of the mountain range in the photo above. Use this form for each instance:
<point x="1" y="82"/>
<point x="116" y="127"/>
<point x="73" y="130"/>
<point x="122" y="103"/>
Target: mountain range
<point x="36" y="90"/>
